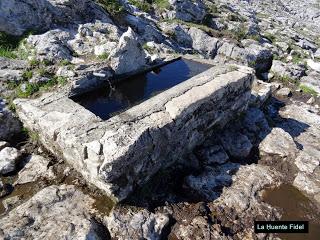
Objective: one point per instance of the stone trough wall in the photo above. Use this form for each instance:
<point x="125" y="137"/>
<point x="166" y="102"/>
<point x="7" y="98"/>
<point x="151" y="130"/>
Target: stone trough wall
<point x="126" y="150"/>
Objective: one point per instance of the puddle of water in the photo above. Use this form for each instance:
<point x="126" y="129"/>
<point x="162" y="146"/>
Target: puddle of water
<point x="106" y="102"/>
<point x="296" y="207"/>
<point x="25" y="192"/>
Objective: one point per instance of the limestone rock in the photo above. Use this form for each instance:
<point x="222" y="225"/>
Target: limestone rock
<point x="52" y="45"/>
<point x="36" y="168"/>
<point x="96" y="37"/>
<point x="189" y="11"/>
<point x="312" y="81"/>
<point x="198" y="228"/>
<point x="307" y="184"/>
<point x="241" y="200"/>
<point x="211" y="181"/>
<point x="255" y="125"/>
<point x="307" y="162"/>
<point x="284" y="70"/>
<point x="313" y="65"/>
<point x="3" y="144"/>
<point x="203" y="43"/>
<point x="284" y="92"/>
<point x="278" y="142"/>
<point x="18" y="16"/>
<point x="8" y="159"/>
<point x="53" y="213"/>
<point x="127" y="223"/>
<point x="236" y="144"/>
<point x="4" y="189"/>
<point x="129" y="55"/>
<point x="11" y="69"/>
<point x="261" y="91"/>
<point x="301" y="113"/>
<point x="213" y="154"/>
<point x="9" y="124"/>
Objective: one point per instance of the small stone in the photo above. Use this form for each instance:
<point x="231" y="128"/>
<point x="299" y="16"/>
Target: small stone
<point x="311" y="100"/>
<point x="8" y="159"/>
<point x="284" y="92"/>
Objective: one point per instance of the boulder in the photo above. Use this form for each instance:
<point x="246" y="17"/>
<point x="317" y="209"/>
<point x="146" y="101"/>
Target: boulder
<point x="313" y="65"/>
<point x="9" y="124"/>
<point x="213" y="154"/>
<point x="284" y="92"/>
<point x="18" y="16"/>
<point x="278" y="142"/>
<point x="8" y="159"/>
<point x="36" y="168"/>
<point x="307" y="183"/>
<point x="56" y="212"/>
<point x="129" y="223"/>
<point x="261" y="92"/>
<point x="129" y="55"/>
<point x="95" y="38"/>
<point x="52" y="45"/>
<point x="203" y="43"/>
<point x="255" y="125"/>
<point x="236" y="144"/>
<point x="189" y="11"/>
<point x="308" y="162"/>
<point x="209" y="184"/>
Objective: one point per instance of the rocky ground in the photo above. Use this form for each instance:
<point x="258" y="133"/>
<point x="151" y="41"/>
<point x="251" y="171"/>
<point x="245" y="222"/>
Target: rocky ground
<point x="222" y="186"/>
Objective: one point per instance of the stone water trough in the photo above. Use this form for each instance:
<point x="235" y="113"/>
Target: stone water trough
<point x="125" y="150"/>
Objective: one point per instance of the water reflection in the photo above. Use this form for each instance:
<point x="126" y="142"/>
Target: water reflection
<point x="107" y="102"/>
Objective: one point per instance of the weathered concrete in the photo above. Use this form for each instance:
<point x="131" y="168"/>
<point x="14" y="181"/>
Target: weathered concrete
<point x="126" y="150"/>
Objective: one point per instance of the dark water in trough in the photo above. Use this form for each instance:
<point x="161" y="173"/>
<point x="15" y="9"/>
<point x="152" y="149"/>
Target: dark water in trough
<point x="107" y="102"/>
<point x="296" y="207"/>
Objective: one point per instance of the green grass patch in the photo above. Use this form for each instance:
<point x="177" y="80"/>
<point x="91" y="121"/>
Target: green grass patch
<point x="7" y="52"/>
<point x="142" y="5"/>
<point x="27" y="89"/>
<point x="104" y="56"/>
<point x="308" y="90"/>
<point x="9" y="45"/>
<point x="285" y="79"/>
<point x="162" y="4"/>
<point x="111" y="6"/>
<point x="270" y="37"/>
